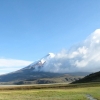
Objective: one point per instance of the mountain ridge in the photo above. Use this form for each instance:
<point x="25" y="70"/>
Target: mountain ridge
<point x="93" y="77"/>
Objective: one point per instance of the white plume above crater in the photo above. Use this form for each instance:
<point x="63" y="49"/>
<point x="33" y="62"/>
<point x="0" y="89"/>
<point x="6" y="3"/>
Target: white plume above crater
<point x="51" y="55"/>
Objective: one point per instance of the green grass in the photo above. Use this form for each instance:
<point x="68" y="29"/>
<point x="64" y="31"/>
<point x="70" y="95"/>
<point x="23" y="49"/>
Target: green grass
<point x="59" y="93"/>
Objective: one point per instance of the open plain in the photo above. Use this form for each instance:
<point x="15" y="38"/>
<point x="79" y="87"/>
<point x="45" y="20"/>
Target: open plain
<point x="51" y="92"/>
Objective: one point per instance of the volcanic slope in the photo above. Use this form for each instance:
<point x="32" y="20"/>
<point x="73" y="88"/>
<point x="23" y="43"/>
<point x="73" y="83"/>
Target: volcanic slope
<point x="94" y="77"/>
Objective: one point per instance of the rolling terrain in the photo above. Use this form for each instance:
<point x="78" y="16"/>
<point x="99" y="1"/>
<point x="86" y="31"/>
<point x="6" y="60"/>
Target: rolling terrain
<point x="37" y="78"/>
<point x="94" y="77"/>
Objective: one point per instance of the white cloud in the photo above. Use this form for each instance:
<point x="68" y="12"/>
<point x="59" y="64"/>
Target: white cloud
<point x="13" y="62"/>
<point x="85" y="57"/>
<point x="9" y="65"/>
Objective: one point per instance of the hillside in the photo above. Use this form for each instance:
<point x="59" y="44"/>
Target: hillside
<point x="56" y="79"/>
<point x="29" y="77"/>
<point x="94" y="77"/>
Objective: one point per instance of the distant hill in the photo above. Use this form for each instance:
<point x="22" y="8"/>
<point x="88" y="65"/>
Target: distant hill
<point x="30" y="77"/>
<point x="94" y="77"/>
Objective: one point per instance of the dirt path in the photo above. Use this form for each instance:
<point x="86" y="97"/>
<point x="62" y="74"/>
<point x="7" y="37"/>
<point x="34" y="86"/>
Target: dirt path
<point x="90" y="97"/>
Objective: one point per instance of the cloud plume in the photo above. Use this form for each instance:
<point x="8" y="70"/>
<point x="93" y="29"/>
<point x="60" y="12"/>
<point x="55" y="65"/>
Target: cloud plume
<point x="82" y="57"/>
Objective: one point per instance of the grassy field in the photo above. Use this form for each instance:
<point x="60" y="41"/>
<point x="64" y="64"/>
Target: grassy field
<point x="51" y="92"/>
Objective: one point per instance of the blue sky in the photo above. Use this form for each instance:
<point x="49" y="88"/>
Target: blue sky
<point x="30" y="29"/>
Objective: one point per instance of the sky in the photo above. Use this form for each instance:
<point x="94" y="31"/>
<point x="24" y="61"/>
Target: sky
<point x="30" y="29"/>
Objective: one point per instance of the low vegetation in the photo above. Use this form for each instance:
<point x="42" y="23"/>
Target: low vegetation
<point x="51" y="92"/>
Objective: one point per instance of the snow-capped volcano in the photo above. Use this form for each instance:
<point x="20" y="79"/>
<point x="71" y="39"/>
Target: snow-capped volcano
<point x="37" y="65"/>
<point x="36" y="73"/>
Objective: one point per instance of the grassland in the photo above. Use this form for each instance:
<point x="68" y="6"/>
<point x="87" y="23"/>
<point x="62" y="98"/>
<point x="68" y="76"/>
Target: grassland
<point x="51" y="92"/>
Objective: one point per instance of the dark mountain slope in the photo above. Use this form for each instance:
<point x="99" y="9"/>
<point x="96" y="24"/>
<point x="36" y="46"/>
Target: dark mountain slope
<point x="94" y="77"/>
<point x="26" y="75"/>
<point x="39" y="78"/>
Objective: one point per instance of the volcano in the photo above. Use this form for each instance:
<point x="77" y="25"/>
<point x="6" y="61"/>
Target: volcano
<point x="34" y="73"/>
<point x="38" y="65"/>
